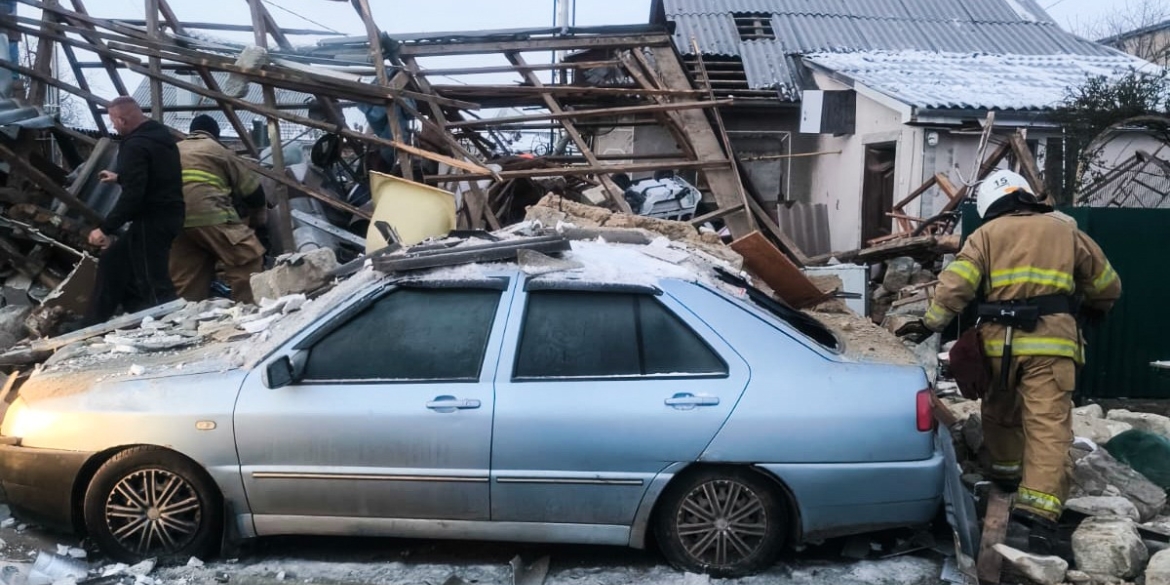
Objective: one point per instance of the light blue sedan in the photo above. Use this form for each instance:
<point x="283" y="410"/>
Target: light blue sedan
<point x="491" y="405"/>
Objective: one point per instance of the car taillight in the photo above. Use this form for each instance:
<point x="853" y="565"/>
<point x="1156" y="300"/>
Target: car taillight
<point x="924" y="411"/>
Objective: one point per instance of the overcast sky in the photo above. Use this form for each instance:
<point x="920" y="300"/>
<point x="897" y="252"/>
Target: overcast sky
<point x="436" y="15"/>
<point x="400" y="16"/>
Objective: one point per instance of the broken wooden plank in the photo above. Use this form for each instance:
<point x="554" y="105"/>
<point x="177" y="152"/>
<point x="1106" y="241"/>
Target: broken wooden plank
<point x="915" y="193"/>
<point x="906" y="246"/>
<point x="772" y="266"/>
<point x="45" y="183"/>
<point x="572" y="170"/>
<point x="718" y="213"/>
<point x="566" y="118"/>
<point x="1028" y="166"/>
<point x="123" y="322"/>
<point x="942" y="413"/>
<point x="591" y="113"/>
<point x="945" y="185"/>
<point x="995" y="525"/>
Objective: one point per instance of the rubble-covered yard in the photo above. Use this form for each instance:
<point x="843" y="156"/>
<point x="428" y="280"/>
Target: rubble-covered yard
<point x="356" y="561"/>
<point x="1117" y="514"/>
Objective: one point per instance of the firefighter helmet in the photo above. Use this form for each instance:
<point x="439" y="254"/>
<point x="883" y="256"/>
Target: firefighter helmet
<point x="996" y="186"/>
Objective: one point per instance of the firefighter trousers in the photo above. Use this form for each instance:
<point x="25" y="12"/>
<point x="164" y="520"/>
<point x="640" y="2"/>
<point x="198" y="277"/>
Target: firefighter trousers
<point x="1027" y="430"/>
<point x="197" y="250"/>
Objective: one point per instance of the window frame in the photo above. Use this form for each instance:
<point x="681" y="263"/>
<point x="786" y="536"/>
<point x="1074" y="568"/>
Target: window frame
<point x="638" y="291"/>
<point x="304" y="346"/>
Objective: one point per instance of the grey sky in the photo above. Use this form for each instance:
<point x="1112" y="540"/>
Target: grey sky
<point x="452" y="15"/>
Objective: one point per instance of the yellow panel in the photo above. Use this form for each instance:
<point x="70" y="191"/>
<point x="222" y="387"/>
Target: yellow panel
<point x="414" y="210"/>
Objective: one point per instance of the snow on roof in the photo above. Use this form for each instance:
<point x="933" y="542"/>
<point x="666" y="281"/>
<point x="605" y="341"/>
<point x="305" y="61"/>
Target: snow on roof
<point x="973" y="80"/>
<point x="802" y="27"/>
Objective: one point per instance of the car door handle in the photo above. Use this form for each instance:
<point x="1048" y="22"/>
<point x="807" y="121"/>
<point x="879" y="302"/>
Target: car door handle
<point x="686" y="401"/>
<point x="451" y="404"/>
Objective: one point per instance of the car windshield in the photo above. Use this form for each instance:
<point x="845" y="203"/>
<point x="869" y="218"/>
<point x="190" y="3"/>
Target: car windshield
<point x="803" y="323"/>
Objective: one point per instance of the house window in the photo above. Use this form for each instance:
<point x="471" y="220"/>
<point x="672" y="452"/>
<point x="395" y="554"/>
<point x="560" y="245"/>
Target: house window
<point x="754" y="25"/>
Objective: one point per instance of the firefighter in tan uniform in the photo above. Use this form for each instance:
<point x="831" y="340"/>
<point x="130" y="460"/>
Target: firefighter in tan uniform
<point x="213" y="231"/>
<point x="1036" y="272"/>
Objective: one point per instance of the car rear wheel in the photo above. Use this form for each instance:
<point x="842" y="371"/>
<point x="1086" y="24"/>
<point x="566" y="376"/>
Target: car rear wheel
<point x="723" y="522"/>
<point x="148" y="502"/>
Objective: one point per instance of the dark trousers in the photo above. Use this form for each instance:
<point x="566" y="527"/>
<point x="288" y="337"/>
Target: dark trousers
<point x="134" y="273"/>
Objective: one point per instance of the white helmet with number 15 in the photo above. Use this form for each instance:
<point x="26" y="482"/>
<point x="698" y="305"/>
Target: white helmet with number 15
<point x="996" y="186"/>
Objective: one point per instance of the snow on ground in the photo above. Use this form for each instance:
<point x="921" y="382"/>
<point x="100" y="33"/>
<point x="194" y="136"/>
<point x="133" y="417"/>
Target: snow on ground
<point x="391" y="561"/>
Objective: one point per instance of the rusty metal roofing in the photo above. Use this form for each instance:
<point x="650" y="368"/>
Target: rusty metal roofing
<point x="801" y="27"/>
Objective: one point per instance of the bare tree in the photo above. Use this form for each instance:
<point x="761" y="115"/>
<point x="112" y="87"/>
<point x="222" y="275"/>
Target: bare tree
<point x="1134" y="28"/>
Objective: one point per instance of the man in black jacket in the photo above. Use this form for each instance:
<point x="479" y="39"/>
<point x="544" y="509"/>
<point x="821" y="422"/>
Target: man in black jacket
<point x="133" y="269"/>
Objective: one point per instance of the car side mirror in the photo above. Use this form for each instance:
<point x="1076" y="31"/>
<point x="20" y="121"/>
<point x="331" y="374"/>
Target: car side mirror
<point x="283" y="371"/>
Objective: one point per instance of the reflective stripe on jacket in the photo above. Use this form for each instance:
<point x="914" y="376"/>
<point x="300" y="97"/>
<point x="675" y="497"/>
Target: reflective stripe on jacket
<point x="211" y="173"/>
<point x="1025" y="255"/>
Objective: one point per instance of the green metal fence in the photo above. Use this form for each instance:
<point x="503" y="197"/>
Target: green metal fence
<point x="1137" y="331"/>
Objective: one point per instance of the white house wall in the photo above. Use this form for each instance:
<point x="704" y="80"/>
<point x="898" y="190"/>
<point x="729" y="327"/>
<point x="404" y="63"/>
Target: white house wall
<point x="836" y="180"/>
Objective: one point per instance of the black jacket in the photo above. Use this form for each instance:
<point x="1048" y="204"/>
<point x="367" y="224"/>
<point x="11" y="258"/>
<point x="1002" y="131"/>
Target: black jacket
<point x="151" y="177"/>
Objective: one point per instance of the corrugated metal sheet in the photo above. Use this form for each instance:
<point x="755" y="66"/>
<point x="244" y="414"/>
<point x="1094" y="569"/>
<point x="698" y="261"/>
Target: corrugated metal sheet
<point x="14" y="116"/>
<point x="967" y="80"/>
<point x="1005" y="27"/>
<point x="807" y="224"/>
<point x="765" y="65"/>
<point x="1119" y="351"/>
<point x="716" y="34"/>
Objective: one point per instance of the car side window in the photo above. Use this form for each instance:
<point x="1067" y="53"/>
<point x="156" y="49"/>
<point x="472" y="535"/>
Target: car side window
<point x="586" y="334"/>
<point x="435" y="334"/>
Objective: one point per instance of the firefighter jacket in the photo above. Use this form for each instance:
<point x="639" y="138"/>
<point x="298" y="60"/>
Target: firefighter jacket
<point x="1020" y="256"/>
<point x="211" y="173"/>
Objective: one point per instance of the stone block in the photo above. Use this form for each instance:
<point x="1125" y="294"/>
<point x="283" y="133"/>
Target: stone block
<point x="294" y="273"/>
<point x="1143" y="421"/>
<point x="1104" y="506"/>
<point x="1109" y="548"/>
<point x="1045" y="570"/>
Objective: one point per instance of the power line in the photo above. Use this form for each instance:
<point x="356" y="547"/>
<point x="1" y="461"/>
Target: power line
<point x="1053" y="4"/>
<point x="302" y="17"/>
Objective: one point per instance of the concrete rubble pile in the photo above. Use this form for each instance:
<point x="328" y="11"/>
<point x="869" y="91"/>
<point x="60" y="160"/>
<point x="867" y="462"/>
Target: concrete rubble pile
<point x="1123" y="535"/>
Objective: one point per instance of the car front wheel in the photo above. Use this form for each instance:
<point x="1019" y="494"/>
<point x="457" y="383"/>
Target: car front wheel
<point x="723" y="522"/>
<point x="148" y="502"/>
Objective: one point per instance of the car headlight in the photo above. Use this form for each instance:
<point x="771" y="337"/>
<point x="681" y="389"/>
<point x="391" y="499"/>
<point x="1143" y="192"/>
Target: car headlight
<point x="21" y="421"/>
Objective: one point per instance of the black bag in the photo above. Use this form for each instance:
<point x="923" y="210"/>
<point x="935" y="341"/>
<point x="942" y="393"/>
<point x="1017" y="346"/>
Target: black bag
<point x="969" y="365"/>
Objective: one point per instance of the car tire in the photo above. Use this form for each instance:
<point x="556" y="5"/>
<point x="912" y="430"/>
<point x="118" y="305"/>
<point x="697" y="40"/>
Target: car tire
<point x="149" y="502"/>
<point x="723" y="522"/>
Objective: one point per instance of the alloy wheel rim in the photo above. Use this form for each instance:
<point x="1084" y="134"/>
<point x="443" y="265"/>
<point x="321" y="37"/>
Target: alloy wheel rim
<point x="153" y="511"/>
<point x="721" y="523"/>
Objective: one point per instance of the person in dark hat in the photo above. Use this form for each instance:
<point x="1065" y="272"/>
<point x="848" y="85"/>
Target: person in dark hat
<point x="213" y="232"/>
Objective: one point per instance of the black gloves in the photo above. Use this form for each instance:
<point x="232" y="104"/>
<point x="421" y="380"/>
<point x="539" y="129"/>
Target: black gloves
<point x="915" y="331"/>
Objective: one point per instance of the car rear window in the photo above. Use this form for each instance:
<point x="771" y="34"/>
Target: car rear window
<point x="810" y="327"/>
<point x="594" y="334"/>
